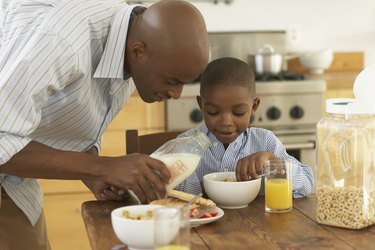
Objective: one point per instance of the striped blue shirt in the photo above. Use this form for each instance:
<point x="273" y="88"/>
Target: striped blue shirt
<point x="219" y="159"/>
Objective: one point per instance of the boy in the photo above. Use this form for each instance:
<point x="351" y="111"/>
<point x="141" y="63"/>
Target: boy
<point x="227" y="100"/>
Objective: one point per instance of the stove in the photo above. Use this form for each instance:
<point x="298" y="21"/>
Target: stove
<point x="282" y="76"/>
<point x="289" y="105"/>
<point x="284" y="105"/>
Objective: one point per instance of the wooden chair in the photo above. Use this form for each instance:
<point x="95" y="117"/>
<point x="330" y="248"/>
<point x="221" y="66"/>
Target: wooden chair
<point x="147" y="144"/>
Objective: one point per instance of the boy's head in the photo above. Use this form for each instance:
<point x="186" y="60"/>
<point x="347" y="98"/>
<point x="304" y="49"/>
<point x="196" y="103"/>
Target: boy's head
<point x="227" y="98"/>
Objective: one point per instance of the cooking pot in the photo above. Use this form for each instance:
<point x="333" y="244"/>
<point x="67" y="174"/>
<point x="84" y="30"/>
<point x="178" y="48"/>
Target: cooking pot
<point x="266" y="61"/>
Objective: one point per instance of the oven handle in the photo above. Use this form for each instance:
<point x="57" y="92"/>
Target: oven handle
<point x="302" y="145"/>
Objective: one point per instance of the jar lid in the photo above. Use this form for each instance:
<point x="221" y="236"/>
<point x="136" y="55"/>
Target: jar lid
<point x="364" y="84"/>
<point x="349" y="106"/>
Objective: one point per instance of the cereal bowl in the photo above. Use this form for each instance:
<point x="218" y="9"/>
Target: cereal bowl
<point x="227" y="193"/>
<point x="134" y="225"/>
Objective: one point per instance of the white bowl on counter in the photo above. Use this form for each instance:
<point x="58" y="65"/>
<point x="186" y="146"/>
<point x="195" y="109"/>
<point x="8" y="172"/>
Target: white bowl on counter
<point x="230" y="194"/>
<point x="317" y="61"/>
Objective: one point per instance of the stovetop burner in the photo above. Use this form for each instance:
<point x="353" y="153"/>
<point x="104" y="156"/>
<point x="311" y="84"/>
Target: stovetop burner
<point x="282" y="76"/>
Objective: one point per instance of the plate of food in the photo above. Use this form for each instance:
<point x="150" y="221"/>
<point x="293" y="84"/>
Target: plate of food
<point x="211" y="216"/>
<point x="202" y="211"/>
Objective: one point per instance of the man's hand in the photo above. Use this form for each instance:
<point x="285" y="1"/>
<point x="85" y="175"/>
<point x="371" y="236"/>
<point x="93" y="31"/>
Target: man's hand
<point x="251" y="166"/>
<point x="104" y="191"/>
<point x="136" y="172"/>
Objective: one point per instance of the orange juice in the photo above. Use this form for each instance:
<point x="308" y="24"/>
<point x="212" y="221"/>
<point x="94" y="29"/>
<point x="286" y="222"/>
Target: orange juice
<point x="172" y="247"/>
<point x="278" y="194"/>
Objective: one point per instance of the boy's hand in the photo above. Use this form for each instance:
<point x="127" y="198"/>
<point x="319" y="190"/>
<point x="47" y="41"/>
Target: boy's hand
<point x="251" y="166"/>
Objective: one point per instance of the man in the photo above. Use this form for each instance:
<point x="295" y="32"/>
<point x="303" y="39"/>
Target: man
<point x="66" y="69"/>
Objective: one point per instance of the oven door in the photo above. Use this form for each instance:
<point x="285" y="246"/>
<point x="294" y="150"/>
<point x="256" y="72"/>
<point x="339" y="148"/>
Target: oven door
<point x="302" y="147"/>
<point x="304" y="152"/>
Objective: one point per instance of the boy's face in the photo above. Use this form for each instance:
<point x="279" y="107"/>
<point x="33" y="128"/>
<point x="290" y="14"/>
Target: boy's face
<point x="227" y="110"/>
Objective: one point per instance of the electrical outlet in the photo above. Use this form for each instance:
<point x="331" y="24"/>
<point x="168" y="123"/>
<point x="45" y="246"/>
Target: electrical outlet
<point x="294" y="34"/>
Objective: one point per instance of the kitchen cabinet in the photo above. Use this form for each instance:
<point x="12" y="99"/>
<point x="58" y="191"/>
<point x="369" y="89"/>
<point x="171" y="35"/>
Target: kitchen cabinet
<point x="62" y="209"/>
<point x="136" y="114"/>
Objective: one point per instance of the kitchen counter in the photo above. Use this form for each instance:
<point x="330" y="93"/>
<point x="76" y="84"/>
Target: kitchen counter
<point x="340" y="75"/>
<point x="336" y="80"/>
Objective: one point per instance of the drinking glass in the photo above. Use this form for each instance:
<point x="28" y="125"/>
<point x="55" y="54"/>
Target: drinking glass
<point x="278" y="186"/>
<point x="171" y="229"/>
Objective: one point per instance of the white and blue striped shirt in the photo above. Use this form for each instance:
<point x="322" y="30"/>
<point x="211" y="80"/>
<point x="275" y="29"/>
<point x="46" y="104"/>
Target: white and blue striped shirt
<point x="219" y="159"/>
<point x="61" y="80"/>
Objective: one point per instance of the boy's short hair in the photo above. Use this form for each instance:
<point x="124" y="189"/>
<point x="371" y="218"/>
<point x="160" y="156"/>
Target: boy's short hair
<point x="228" y="71"/>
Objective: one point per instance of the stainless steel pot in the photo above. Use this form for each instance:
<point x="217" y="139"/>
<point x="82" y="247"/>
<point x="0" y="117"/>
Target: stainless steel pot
<point x="266" y="61"/>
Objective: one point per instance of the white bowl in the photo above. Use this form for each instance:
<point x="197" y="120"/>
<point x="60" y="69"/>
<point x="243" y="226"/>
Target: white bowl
<point x="230" y="195"/>
<point x="317" y="61"/>
<point x="136" y="234"/>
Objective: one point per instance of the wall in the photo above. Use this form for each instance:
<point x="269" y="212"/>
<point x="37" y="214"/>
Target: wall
<point x="343" y="25"/>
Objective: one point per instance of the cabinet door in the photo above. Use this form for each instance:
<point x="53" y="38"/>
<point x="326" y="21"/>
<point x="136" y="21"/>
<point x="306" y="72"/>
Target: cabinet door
<point x="63" y="186"/>
<point x="65" y="226"/>
<point x="136" y="114"/>
<point x="113" y="143"/>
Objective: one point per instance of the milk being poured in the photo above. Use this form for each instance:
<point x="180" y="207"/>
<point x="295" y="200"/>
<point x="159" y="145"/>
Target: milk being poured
<point x="180" y="165"/>
<point x="181" y="156"/>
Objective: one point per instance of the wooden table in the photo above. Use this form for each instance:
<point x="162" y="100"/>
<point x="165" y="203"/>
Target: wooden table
<point x="247" y="228"/>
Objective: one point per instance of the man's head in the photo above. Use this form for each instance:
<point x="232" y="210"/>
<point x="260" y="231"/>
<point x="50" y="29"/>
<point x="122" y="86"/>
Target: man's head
<point x="227" y="98"/>
<point x="167" y="46"/>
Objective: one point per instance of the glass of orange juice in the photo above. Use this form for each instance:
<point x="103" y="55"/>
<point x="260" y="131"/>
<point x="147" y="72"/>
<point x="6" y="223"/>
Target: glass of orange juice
<point x="278" y="186"/>
<point x="171" y="229"/>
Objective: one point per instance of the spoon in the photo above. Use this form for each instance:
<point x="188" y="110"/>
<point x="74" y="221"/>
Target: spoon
<point x="261" y="175"/>
<point x="187" y="204"/>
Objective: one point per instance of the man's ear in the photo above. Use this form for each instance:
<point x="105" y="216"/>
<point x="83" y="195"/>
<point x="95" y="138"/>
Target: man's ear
<point x="199" y="101"/>
<point x="138" y="51"/>
<point x="256" y="103"/>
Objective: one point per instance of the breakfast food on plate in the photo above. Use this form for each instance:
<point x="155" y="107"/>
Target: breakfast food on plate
<point x="201" y="208"/>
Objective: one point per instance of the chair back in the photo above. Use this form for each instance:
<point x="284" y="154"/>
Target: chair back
<point x="147" y="144"/>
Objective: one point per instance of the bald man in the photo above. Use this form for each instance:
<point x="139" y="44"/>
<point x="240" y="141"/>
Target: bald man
<point x="66" y="69"/>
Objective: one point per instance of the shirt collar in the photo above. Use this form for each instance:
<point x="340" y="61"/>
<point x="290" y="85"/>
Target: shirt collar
<point x="202" y="127"/>
<point x="111" y="64"/>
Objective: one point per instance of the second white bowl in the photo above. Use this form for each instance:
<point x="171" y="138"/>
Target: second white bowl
<point x="229" y="194"/>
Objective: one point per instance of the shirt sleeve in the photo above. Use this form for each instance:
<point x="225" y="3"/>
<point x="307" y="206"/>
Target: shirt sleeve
<point x="302" y="175"/>
<point x="191" y="185"/>
<point x="39" y="66"/>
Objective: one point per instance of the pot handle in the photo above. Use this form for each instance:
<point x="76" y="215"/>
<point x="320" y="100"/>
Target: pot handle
<point x="266" y="49"/>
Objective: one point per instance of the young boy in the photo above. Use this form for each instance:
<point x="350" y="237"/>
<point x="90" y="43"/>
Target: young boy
<point x="227" y="100"/>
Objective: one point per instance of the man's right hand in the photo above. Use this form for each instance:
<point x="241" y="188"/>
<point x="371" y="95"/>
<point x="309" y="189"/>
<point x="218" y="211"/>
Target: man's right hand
<point x="104" y="191"/>
<point x="137" y="173"/>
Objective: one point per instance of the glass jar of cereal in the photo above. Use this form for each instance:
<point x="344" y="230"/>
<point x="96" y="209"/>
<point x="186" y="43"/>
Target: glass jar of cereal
<point x="345" y="187"/>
